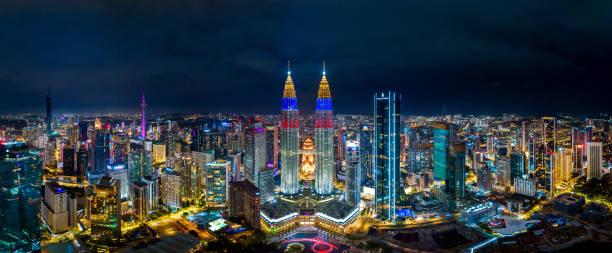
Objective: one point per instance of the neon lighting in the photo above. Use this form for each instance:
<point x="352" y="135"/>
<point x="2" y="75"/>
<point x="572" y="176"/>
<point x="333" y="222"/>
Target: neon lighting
<point x="289" y="104"/>
<point x="319" y="246"/>
<point x="324" y="104"/>
<point x="281" y="219"/>
<point x="344" y="220"/>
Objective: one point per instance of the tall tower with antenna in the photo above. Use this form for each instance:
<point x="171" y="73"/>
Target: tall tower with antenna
<point x="324" y="140"/>
<point x="289" y="148"/>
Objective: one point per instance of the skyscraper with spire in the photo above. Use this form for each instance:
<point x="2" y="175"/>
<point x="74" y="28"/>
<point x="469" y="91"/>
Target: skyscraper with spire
<point x="143" y="105"/>
<point x="324" y="140"/>
<point x="290" y="128"/>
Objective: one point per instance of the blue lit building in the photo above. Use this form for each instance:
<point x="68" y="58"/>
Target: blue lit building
<point x="440" y="155"/>
<point x="386" y="154"/>
<point x="517" y="165"/>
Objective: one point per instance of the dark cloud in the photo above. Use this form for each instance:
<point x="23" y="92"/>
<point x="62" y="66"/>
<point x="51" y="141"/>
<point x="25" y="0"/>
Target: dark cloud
<point x="197" y="56"/>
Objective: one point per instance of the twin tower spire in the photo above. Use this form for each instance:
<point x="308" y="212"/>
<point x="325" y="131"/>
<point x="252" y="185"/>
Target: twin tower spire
<point x="289" y="92"/>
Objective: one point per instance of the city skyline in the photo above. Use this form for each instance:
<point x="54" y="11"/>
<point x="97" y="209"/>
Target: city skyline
<point x="185" y="55"/>
<point x="305" y="126"/>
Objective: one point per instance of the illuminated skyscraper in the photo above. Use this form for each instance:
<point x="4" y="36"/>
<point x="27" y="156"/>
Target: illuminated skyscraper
<point x="217" y="185"/>
<point x="386" y="155"/>
<point x="244" y="201"/>
<point x="159" y="152"/>
<point x="68" y="161"/>
<point x="593" y="160"/>
<point x="440" y="155"/>
<point x="579" y="139"/>
<point x="272" y="145"/>
<point x="524" y="135"/>
<point x="171" y="185"/>
<point x="140" y="164"/>
<point x="119" y="172"/>
<point x="549" y="145"/>
<point x="255" y="157"/>
<point x="106" y="210"/>
<point x="290" y="128"/>
<point x="140" y="199"/>
<point x="456" y="175"/>
<point x="517" y="165"/>
<point x="324" y="140"/>
<point x="353" y="173"/>
<point x="484" y="179"/>
<point x="562" y="169"/>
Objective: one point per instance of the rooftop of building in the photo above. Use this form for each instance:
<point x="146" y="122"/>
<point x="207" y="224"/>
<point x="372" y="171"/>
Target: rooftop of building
<point x="568" y="198"/>
<point x="176" y="243"/>
<point x="55" y="187"/>
<point x="246" y="186"/>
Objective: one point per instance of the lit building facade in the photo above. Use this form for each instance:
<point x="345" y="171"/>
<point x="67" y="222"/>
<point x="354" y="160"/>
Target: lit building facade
<point x="105" y="210"/>
<point x="353" y="173"/>
<point x="255" y="156"/>
<point x="140" y="164"/>
<point x="324" y="140"/>
<point x="244" y="202"/>
<point x="440" y="153"/>
<point x="386" y="154"/>
<point x="217" y="173"/>
<point x="525" y="187"/>
<point x="289" y="148"/>
<point x="593" y="160"/>
<point x="171" y="184"/>
<point x="159" y="152"/>
<point x="517" y="165"/>
<point x="58" y="208"/>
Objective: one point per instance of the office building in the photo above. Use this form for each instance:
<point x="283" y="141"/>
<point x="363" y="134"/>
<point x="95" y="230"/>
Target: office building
<point x="140" y="164"/>
<point x="386" y="155"/>
<point x="120" y="173"/>
<point x="140" y="200"/>
<point x="456" y="175"/>
<point x="255" y="156"/>
<point x="484" y="179"/>
<point x="517" y="165"/>
<point x="440" y="153"/>
<point x="68" y="162"/>
<point x="217" y="173"/>
<point x="352" y="165"/>
<point x="171" y="185"/>
<point x="244" y="202"/>
<point x="593" y="167"/>
<point x="159" y="152"/>
<point x="153" y="191"/>
<point x="525" y="187"/>
<point x="105" y="210"/>
<point x="58" y="208"/>
<point x="266" y="184"/>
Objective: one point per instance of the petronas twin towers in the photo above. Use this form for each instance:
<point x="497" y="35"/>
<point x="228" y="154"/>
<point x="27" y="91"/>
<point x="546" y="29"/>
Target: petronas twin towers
<point x="324" y="134"/>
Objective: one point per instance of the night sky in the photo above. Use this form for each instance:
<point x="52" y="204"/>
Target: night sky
<point x="536" y="57"/>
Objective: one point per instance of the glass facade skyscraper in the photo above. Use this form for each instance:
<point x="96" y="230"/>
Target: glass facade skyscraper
<point x="440" y="155"/>
<point x="386" y="154"/>
<point x="324" y="140"/>
<point x="289" y="148"/>
<point x="353" y="173"/>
